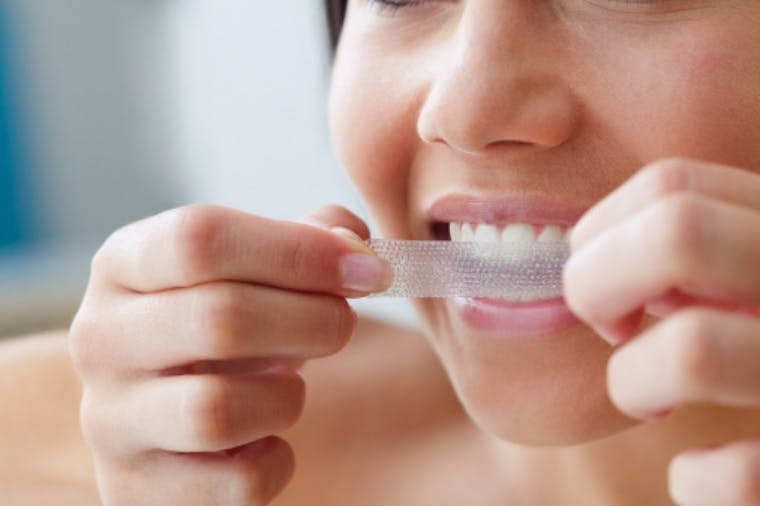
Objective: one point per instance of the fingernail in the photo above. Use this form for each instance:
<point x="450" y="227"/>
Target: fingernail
<point x="364" y="272"/>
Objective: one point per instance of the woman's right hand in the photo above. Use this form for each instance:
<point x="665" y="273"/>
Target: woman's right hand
<point x="189" y="340"/>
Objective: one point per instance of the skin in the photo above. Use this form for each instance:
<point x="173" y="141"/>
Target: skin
<point x="572" y="98"/>
<point x="185" y="373"/>
<point x="43" y="457"/>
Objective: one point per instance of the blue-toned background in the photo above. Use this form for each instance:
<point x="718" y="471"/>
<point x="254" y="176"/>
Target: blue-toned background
<point x="15" y="226"/>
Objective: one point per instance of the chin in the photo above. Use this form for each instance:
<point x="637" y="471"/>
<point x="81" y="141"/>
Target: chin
<point x="531" y="390"/>
<point x="548" y="416"/>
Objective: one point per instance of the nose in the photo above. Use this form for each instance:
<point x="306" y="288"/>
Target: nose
<point x="499" y="82"/>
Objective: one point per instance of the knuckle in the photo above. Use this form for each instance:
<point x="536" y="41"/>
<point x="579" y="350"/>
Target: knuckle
<point x="346" y="319"/>
<point x="195" y="236"/>
<point x="258" y="478"/>
<point x="105" y="257"/>
<point x="292" y="409"/>
<point x="693" y="350"/>
<point x="219" y="313"/>
<point x="748" y="474"/>
<point x="283" y="404"/>
<point x="101" y="259"/>
<point x="247" y="483"/>
<point x="82" y="341"/>
<point x="92" y="422"/>
<point x="208" y="415"/>
<point x="339" y="324"/>
<point x="681" y="233"/>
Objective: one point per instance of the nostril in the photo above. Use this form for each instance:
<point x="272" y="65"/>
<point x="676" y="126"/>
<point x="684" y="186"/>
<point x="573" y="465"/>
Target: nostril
<point x="508" y="144"/>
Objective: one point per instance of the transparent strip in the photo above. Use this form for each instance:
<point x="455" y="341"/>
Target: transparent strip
<point x="510" y="271"/>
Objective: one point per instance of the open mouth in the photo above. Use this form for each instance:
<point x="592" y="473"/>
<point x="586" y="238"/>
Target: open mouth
<point x="520" y="263"/>
<point x="534" y="307"/>
<point x="534" y="229"/>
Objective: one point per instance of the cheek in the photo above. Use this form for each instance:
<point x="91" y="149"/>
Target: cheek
<point x="717" y="100"/>
<point x="373" y="127"/>
<point x="699" y="99"/>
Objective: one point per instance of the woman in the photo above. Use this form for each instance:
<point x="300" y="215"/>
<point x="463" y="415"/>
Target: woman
<point x="520" y="118"/>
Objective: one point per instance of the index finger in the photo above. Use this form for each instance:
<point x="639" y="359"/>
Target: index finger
<point x="662" y="178"/>
<point x="201" y="243"/>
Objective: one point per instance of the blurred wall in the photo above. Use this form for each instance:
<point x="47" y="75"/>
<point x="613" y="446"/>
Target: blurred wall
<point x="94" y="79"/>
<point x="136" y="106"/>
<point x="250" y="84"/>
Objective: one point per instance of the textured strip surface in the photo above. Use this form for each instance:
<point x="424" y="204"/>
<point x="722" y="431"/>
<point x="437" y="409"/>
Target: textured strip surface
<point x="499" y="270"/>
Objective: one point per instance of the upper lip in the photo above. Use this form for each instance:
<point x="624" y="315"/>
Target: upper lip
<point x="535" y="208"/>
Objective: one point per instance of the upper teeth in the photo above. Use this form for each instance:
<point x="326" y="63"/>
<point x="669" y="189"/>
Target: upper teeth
<point x="515" y="232"/>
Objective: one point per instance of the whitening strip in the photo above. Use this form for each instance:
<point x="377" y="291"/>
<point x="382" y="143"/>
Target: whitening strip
<point x="517" y="271"/>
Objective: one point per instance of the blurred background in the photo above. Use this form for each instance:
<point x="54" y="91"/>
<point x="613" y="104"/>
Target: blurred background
<point x="113" y="110"/>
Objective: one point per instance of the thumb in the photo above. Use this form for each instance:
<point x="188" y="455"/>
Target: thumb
<point x="341" y="221"/>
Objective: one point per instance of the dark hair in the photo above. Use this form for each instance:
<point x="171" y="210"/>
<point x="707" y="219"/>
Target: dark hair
<point x="336" y="11"/>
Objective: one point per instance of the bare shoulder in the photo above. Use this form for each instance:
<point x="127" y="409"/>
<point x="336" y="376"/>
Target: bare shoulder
<point x="42" y="453"/>
<point x="383" y="366"/>
<point x="382" y="398"/>
<point x="386" y="380"/>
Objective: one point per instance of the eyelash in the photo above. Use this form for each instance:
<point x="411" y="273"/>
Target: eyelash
<point x="637" y="2"/>
<point x="391" y="6"/>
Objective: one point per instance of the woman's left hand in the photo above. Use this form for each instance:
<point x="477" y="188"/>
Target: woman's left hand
<point x="680" y="240"/>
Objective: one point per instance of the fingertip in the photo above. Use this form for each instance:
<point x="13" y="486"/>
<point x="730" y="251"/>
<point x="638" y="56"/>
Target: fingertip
<point x="573" y="238"/>
<point x="613" y="334"/>
<point x="333" y="216"/>
<point x="271" y="458"/>
<point x="577" y="235"/>
<point x="365" y="273"/>
<point x="354" y="240"/>
<point x="685" y="480"/>
<point x="622" y="330"/>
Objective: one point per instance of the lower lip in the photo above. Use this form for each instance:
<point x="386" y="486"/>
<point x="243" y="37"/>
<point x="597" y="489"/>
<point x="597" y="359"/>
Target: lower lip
<point x="513" y="319"/>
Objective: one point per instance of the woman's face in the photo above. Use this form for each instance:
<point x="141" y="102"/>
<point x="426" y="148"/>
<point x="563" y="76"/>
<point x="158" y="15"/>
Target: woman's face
<point x="521" y="114"/>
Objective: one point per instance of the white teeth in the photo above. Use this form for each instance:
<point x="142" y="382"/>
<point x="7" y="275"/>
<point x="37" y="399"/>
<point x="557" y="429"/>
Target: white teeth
<point x="514" y="232"/>
<point x="486" y="233"/>
<point x="518" y="232"/>
<point x="551" y="233"/>
<point x="455" y="231"/>
<point x="468" y="234"/>
<point x="568" y="232"/>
